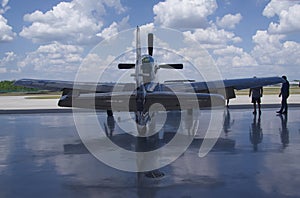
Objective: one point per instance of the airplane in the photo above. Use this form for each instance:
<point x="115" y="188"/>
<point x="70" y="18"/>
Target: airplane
<point x="147" y="91"/>
<point x="295" y="82"/>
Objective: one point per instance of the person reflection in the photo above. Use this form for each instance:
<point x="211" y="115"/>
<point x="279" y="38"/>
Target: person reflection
<point x="227" y="122"/>
<point x="284" y="131"/>
<point x="256" y="134"/>
<point x="110" y="121"/>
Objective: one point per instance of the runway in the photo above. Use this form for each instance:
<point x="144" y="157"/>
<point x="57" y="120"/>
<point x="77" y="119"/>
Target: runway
<point x="41" y="155"/>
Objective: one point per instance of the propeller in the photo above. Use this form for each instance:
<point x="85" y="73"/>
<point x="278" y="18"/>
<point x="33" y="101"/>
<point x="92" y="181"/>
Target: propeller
<point x="150" y="44"/>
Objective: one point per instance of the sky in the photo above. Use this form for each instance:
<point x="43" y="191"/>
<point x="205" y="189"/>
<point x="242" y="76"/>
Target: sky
<point x="50" y="39"/>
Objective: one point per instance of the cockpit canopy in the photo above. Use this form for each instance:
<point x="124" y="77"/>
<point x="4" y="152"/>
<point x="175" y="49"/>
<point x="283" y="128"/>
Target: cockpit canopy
<point x="147" y="64"/>
<point x="147" y="68"/>
<point x="147" y="59"/>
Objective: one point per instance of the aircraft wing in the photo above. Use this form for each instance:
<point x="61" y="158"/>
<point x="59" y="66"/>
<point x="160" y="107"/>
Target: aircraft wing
<point x="243" y="83"/>
<point x="57" y="85"/>
<point x="169" y="94"/>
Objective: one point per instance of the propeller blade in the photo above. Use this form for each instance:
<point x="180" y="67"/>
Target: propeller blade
<point x="150" y="44"/>
<point x="171" y="66"/>
<point x="126" y="65"/>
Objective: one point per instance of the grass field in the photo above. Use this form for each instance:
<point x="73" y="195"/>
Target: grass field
<point x="31" y="94"/>
<point x="43" y="97"/>
<point x="270" y="91"/>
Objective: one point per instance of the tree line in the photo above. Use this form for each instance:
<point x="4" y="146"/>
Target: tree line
<point x="8" y="86"/>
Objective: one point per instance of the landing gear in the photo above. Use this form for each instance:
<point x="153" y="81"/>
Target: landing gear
<point x="109" y="113"/>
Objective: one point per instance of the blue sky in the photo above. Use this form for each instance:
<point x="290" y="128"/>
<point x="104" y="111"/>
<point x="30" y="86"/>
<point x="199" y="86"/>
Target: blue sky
<point x="50" y="38"/>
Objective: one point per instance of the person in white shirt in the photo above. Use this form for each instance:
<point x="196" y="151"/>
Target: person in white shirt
<point x="257" y="93"/>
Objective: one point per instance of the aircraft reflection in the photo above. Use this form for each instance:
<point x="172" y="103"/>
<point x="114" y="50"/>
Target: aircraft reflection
<point x="284" y="131"/>
<point x="256" y="134"/>
<point x="162" y="137"/>
<point x="144" y="144"/>
<point x="33" y="155"/>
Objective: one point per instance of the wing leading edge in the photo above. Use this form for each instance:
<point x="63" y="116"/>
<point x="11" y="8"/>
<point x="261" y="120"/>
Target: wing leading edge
<point x="224" y="87"/>
<point x="57" y="85"/>
<point x="243" y="83"/>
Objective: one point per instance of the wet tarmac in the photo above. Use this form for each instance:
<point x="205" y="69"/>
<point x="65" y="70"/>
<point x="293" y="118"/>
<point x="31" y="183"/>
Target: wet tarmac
<point x="41" y="155"/>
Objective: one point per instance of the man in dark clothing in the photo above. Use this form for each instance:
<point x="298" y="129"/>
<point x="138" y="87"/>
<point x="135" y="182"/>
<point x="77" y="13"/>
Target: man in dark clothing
<point x="284" y="94"/>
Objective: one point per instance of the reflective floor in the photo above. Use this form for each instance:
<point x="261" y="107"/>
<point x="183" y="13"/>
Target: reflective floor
<point x="41" y="155"/>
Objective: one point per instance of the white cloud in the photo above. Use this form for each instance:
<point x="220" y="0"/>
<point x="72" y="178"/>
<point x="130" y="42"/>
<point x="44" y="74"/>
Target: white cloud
<point x="114" y="28"/>
<point x="229" y="50"/>
<point x="244" y="59"/>
<point x="213" y="37"/>
<point x="53" y="58"/>
<point x="229" y="21"/>
<point x="9" y="57"/>
<point x="275" y="7"/>
<point x="6" y="33"/>
<point x="75" y="22"/>
<point x="116" y="4"/>
<point x="9" y="62"/>
<point x="288" y="14"/>
<point x="184" y="13"/>
<point x="271" y="50"/>
<point x="265" y="46"/>
<point x="233" y="56"/>
<point x="289" y="21"/>
<point x="4" y="3"/>
<point x="4" y="6"/>
<point x="94" y="68"/>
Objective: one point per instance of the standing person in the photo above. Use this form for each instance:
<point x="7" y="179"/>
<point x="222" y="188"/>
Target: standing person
<point x="284" y="94"/>
<point x="256" y="93"/>
<point x="227" y="103"/>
